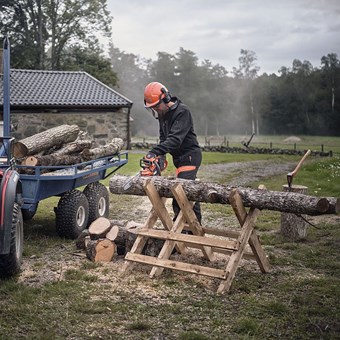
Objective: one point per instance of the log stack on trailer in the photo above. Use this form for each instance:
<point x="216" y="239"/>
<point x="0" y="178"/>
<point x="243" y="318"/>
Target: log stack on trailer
<point x="61" y="145"/>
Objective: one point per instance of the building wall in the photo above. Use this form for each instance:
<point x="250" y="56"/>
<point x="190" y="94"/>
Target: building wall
<point x="100" y="127"/>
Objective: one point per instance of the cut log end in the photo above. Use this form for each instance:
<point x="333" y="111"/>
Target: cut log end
<point x="20" y="150"/>
<point x="322" y="205"/>
<point x="100" y="250"/>
<point x="31" y="161"/>
<point x="337" y="206"/>
<point x="99" y="228"/>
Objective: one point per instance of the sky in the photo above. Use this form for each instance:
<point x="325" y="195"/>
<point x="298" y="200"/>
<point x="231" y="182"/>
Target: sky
<point x="277" y="31"/>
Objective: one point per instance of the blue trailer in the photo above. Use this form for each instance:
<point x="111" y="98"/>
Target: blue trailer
<point x="23" y="187"/>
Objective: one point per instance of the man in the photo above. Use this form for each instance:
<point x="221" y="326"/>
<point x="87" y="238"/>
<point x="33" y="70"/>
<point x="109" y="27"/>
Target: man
<point x="177" y="136"/>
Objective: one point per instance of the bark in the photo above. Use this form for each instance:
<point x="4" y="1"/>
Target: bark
<point x="126" y="237"/>
<point x="81" y="240"/>
<point x="294" y="226"/>
<point x="52" y="160"/>
<point x="56" y="136"/>
<point x="289" y="202"/>
<point x="73" y="147"/>
<point x="109" y="149"/>
<point x="101" y="250"/>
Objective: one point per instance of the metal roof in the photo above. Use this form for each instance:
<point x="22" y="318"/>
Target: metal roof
<point x="61" y="89"/>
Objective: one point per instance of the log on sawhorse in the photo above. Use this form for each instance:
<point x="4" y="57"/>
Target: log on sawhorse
<point x="233" y="243"/>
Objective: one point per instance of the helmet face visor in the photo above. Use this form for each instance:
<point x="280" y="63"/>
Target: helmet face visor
<point x="152" y="111"/>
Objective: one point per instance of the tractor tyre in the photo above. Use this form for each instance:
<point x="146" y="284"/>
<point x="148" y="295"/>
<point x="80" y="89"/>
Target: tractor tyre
<point x="72" y="214"/>
<point x="29" y="214"/>
<point x="99" y="202"/>
<point x="10" y="263"/>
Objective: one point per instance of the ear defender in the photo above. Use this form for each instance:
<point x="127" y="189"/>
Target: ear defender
<point x="167" y="95"/>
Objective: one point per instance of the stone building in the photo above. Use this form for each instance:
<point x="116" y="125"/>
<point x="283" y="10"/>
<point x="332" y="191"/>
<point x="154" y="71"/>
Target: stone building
<point x="44" y="99"/>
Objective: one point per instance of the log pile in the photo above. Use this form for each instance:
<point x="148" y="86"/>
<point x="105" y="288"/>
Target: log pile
<point x="289" y="202"/>
<point x="106" y="239"/>
<point x="61" y="145"/>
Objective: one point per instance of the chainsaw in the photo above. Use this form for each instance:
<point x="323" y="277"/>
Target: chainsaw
<point x="150" y="166"/>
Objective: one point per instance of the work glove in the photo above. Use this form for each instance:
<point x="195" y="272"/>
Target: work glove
<point x="162" y="162"/>
<point x="147" y="160"/>
<point x="150" y="155"/>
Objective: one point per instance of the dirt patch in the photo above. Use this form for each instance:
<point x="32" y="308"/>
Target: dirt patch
<point x="243" y="173"/>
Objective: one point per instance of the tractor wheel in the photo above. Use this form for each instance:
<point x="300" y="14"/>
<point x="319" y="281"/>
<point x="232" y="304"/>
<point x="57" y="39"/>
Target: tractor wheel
<point x="72" y="214"/>
<point x="99" y="202"/>
<point x="10" y="263"/>
<point x="29" y="214"/>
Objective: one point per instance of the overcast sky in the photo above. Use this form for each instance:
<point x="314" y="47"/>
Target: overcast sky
<point x="277" y="31"/>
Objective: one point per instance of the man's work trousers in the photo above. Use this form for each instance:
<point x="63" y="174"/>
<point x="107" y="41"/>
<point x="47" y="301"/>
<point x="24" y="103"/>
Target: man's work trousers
<point x="187" y="172"/>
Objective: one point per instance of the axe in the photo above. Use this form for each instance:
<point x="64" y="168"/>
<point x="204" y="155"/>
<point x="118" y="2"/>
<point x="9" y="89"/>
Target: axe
<point x="246" y="144"/>
<point x="290" y="175"/>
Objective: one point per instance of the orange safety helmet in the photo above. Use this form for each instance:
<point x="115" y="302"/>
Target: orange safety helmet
<point x="154" y="93"/>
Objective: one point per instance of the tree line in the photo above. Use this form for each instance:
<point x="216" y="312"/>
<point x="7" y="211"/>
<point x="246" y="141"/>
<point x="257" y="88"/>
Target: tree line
<point x="63" y="35"/>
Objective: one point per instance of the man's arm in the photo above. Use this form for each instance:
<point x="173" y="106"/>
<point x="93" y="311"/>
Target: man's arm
<point x="177" y="133"/>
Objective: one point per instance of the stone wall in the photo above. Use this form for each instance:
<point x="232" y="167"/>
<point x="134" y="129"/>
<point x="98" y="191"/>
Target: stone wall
<point x="100" y="126"/>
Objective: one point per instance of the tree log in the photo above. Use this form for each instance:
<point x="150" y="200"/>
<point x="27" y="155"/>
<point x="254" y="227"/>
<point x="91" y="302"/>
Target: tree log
<point x="19" y="150"/>
<point x="111" y="148"/>
<point x="294" y="226"/>
<point x="127" y="235"/>
<point x="289" y="202"/>
<point x="101" y="250"/>
<point x="52" y="160"/>
<point x="81" y="242"/>
<point x="99" y="228"/>
<point x="113" y="233"/>
<point x="56" y="136"/>
<point x="73" y="147"/>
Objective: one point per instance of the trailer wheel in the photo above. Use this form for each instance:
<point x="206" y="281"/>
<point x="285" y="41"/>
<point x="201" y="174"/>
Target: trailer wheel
<point x="29" y="214"/>
<point x="72" y="214"/>
<point x="10" y="263"/>
<point x="99" y="202"/>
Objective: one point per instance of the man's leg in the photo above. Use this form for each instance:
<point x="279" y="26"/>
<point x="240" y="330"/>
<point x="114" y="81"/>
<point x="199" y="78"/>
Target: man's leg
<point x="187" y="174"/>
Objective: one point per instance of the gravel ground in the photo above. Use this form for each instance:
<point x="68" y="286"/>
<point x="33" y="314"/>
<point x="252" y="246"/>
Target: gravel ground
<point x="246" y="172"/>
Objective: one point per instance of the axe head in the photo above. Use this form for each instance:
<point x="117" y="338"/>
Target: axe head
<point x="290" y="179"/>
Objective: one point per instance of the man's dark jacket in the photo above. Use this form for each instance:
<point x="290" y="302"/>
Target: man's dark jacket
<point x="177" y="136"/>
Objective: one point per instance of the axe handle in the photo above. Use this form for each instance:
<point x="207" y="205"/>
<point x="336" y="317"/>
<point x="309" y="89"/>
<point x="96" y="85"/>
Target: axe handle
<point x="293" y="173"/>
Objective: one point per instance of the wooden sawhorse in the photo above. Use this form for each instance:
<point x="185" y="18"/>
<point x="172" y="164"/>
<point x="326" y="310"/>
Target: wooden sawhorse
<point x="233" y="244"/>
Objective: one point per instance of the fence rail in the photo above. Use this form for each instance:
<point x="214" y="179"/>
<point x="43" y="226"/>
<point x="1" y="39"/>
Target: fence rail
<point x="222" y="144"/>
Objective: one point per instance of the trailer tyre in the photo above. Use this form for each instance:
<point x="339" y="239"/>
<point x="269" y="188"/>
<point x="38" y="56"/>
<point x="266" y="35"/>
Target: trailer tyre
<point x="10" y="263"/>
<point x="72" y="214"/>
<point x="99" y="202"/>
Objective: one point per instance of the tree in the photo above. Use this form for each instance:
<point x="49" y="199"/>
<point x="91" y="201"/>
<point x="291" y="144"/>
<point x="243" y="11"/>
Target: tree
<point x="24" y="23"/>
<point x="132" y="78"/>
<point x="302" y="81"/>
<point x="164" y="69"/>
<point x="40" y="30"/>
<point x="247" y="71"/>
<point x="331" y="68"/>
<point x="90" y="60"/>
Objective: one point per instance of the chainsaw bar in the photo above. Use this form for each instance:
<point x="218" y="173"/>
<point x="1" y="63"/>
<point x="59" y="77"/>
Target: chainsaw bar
<point x="129" y="182"/>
